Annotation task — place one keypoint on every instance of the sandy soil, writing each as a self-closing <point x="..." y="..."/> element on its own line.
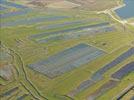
<point x="63" y="4"/>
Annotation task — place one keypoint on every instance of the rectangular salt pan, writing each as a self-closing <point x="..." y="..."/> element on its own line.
<point x="124" y="71"/>
<point x="67" y="60"/>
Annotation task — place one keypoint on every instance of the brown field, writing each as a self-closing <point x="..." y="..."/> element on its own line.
<point x="63" y="4"/>
<point x="93" y="5"/>
<point x="96" y="4"/>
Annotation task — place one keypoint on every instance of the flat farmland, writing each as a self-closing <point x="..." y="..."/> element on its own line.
<point x="65" y="50"/>
<point x="95" y="4"/>
<point x="80" y="4"/>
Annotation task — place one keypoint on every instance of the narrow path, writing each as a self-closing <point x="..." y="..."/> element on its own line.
<point x="112" y="10"/>
<point x="23" y="79"/>
<point x="26" y="79"/>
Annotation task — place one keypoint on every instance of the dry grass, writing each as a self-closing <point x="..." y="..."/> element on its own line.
<point x="96" y="4"/>
<point x="92" y="5"/>
<point x="63" y="4"/>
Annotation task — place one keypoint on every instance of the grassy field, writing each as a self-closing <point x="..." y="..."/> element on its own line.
<point x="26" y="50"/>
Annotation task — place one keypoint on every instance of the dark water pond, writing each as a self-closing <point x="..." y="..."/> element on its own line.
<point x="127" y="11"/>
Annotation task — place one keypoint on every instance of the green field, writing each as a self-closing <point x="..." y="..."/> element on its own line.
<point x="58" y="30"/>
